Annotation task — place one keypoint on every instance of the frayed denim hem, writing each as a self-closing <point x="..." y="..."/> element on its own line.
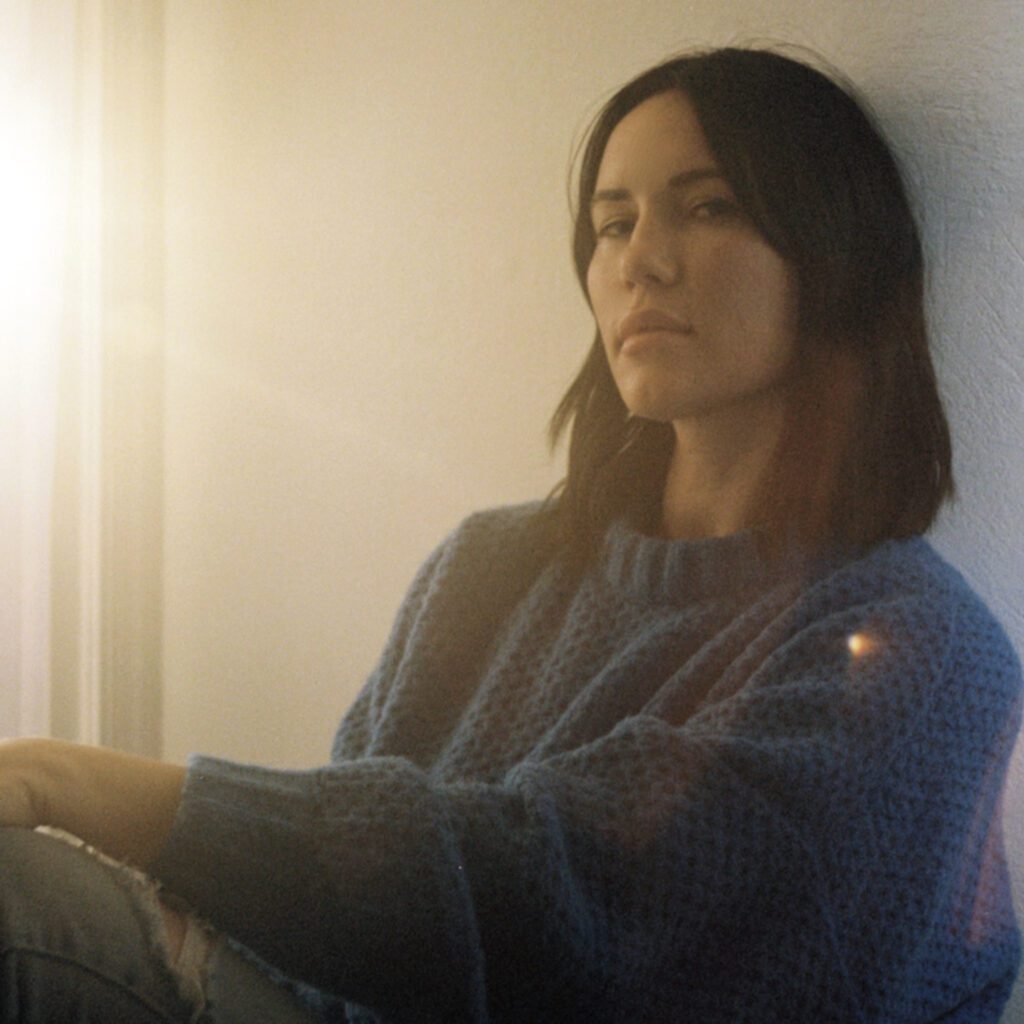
<point x="83" y="937"/>
<point x="190" y="968"/>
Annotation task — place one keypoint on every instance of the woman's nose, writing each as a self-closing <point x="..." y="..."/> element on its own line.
<point x="649" y="256"/>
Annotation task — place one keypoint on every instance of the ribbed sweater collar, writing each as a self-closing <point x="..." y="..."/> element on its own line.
<point x="659" y="571"/>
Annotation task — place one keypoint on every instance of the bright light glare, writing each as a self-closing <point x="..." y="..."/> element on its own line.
<point x="33" y="257"/>
<point x="31" y="251"/>
<point x="859" y="644"/>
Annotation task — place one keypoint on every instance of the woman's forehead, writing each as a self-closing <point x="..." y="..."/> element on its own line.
<point x="659" y="138"/>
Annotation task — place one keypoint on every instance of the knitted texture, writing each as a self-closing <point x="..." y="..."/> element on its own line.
<point x="684" y="786"/>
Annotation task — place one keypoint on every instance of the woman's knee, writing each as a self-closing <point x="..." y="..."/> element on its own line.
<point x="79" y="936"/>
<point x="22" y="849"/>
<point x="50" y="884"/>
<point x="39" y="877"/>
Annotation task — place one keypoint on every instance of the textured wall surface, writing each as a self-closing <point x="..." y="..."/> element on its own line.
<point x="371" y="309"/>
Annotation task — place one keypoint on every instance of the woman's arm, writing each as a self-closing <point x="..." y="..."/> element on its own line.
<point x="120" y="803"/>
<point x="822" y="844"/>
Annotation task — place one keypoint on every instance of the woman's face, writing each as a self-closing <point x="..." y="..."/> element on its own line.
<point x="696" y="311"/>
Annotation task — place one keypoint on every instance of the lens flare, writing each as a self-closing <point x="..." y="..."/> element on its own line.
<point x="860" y="644"/>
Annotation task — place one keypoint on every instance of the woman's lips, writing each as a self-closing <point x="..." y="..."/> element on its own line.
<point x="646" y="326"/>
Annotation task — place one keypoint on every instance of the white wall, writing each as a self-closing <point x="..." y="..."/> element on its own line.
<point x="370" y="317"/>
<point x="371" y="310"/>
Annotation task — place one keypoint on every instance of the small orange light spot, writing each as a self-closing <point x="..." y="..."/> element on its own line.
<point x="859" y="644"/>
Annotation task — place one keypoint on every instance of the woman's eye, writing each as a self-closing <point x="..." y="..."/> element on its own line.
<point x="714" y="208"/>
<point x="620" y="227"/>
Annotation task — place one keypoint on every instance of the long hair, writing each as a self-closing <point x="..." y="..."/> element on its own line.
<point x="865" y="454"/>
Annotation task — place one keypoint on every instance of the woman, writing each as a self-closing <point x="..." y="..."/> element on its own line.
<point x="712" y="735"/>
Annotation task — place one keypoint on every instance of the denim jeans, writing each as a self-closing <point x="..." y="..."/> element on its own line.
<point x="82" y="940"/>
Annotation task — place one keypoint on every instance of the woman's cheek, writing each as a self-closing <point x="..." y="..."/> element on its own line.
<point x="597" y="292"/>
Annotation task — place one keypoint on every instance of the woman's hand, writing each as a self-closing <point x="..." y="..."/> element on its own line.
<point x="122" y="804"/>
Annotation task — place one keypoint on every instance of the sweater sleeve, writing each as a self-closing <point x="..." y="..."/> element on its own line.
<point x="820" y="844"/>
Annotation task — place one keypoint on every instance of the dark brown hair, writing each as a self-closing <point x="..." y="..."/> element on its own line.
<point x="865" y="454"/>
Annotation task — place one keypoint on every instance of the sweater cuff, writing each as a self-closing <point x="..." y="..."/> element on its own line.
<point x="240" y="848"/>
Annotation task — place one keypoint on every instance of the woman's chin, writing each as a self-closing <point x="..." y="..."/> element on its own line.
<point x="660" y="409"/>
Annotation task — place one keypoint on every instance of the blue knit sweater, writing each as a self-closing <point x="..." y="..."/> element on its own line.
<point x="686" y="786"/>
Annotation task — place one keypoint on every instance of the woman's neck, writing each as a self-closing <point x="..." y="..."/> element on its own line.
<point x="716" y="472"/>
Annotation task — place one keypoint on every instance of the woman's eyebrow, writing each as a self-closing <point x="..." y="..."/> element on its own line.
<point x="681" y="180"/>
